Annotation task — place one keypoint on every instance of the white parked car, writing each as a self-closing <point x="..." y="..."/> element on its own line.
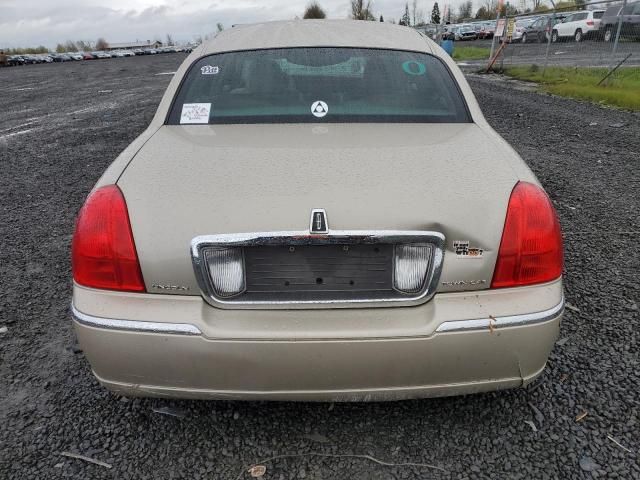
<point x="578" y="25"/>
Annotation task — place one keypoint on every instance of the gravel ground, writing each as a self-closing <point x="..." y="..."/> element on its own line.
<point x="62" y="124"/>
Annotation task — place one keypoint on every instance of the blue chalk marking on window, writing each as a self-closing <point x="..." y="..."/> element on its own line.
<point x="414" y="68"/>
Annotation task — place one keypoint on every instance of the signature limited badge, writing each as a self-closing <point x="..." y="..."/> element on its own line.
<point x="318" y="222"/>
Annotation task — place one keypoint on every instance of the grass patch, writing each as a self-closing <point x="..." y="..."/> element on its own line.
<point x="470" y="53"/>
<point x="622" y="90"/>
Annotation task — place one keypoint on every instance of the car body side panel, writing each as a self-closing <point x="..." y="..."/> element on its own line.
<point x="111" y="175"/>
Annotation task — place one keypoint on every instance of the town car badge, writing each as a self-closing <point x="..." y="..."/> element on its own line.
<point x="318" y="223"/>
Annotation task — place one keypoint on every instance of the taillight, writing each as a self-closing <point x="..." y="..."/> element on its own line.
<point x="531" y="247"/>
<point x="103" y="251"/>
<point x="590" y="23"/>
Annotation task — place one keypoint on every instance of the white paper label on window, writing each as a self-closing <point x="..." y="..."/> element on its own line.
<point x="195" y="113"/>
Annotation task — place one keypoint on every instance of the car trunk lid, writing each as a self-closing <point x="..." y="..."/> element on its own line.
<point x="190" y="181"/>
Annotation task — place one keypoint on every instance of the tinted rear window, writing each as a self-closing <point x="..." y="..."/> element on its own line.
<point x="308" y="85"/>
<point x="598" y="14"/>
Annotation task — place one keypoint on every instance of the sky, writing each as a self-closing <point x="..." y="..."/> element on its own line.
<point x="29" y="23"/>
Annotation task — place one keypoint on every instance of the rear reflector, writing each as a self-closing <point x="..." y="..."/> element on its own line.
<point x="531" y="246"/>
<point x="103" y="251"/>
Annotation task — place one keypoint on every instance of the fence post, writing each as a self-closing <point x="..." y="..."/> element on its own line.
<point x="615" y="43"/>
<point x="493" y="39"/>
<point x="551" y="25"/>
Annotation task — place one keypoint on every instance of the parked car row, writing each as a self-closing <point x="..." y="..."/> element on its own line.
<point x="628" y="18"/>
<point x="18" y="60"/>
<point x="537" y="29"/>
<point x="599" y="24"/>
<point x="585" y="24"/>
<point x="471" y="31"/>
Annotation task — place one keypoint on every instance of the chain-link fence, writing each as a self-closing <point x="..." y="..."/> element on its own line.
<point x="602" y="34"/>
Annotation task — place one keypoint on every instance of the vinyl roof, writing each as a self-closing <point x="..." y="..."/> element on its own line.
<point x="317" y="33"/>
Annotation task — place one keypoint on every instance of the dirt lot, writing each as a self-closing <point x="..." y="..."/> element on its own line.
<point x="62" y="124"/>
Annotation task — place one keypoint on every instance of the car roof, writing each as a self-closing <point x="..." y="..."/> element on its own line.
<point x="318" y="33"/>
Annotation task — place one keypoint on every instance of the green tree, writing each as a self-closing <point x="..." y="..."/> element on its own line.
<point x="60" y="48"/>
<point x="26" y="51"/>
<point x="435" y="14"/>
<point x="465" y="10"/>
<point x="101" y="44"/>
<point x="314" y="10"/>
<point x="565" y="5"/>
<point x="484" y="14"/>
<point x="510" y="10"/>
<point x="406" y="18"/>
<point x="361" y="10"/>
<point x="83" y="46"/>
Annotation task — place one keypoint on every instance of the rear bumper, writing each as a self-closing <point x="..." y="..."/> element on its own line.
<point x="455" y="356"/>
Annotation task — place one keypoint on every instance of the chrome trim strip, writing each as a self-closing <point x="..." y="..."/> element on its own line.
<point x="483" y="324"/>
<point x="134" y="325"/>
<point x="339" y="237"/>
<point x="501" y="322"/>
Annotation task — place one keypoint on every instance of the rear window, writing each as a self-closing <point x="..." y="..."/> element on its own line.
<point x="598" y="14"/>
<point x="309" y="85"/>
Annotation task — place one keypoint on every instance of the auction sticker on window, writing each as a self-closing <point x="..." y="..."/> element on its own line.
<point x="209" y="70"/>
<point x="195" y="113"/>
